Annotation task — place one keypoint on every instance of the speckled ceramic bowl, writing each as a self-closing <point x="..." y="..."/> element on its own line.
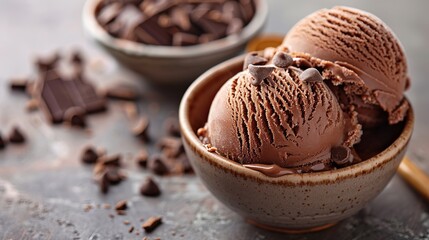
<point x="296" y="202"/>
<point x="172" y="65"/>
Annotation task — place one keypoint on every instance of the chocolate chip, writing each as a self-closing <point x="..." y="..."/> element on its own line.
<point x="311" y="75"/>
<point x="184" y="39"/>
<point x="151" y="224"/>
<point x="253" y="58"/>
<point x="121" y="205"/>
<point x="282" y="60"/>
<point x="157" y="165"/>
<point x="77" y="58"/>
<point x="171" y="146"/>
<point x="113" y="176"/>
<point x="341" y="155"/>
<point x="75" y="116"/>
<point x="142" y="158"/>
<point x="149" y="188"/>
<point x="16" y="136"/>
<point x="89" y="155"/>
<point x="122" y="93"/>
<point x="259" y="73"/>
<point x="2" y="142"/>
<point x="19" y="84"/>
<point x="140" y="130"/>
<point x="172" y="126"/>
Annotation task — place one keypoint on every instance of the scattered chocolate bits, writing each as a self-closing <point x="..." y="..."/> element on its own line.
<point x="16" y="136"/>
<point x="341" y="155"/>
<point x="157" y="165"/>
<point x="311" y="75"/>
<point x="151" y="224"/>
<point x="255" y="59"/>
<point x="282" y="60"/>
<point x="122" y="93"/>
<point x="149" y="188"/>
<point x="121" y="205"/>
<point x="89" y="155"/>
<point x="131" y="229"/>
<point x="75" y="116"/>
<point x="259" y="73"/>
<point x="140" y="130"/>
<point x="172" y="126"/>
<point x="171" y="146"/>
<point x="177" y="23"/>
<point x="19" y="84"/>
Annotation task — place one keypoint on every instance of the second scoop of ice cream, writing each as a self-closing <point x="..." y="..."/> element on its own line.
<point x="281" y="120"/>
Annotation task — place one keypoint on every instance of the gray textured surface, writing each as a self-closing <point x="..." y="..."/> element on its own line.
<point x="43" y="187"/>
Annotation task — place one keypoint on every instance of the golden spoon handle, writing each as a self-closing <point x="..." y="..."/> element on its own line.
<point x="418" y="179"/>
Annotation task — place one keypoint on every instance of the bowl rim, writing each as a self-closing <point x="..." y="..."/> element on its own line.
<point x="94" y="29"/>
<point x="329" y="176"/>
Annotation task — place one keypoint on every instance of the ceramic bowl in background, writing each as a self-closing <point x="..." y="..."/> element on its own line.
<point x="171" y="64"/>
<point x="295" y="202"/>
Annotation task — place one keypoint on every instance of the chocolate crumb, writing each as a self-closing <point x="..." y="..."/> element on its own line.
<point x="87" y="207"/>
<point x="122" y="93"/>
<point x="311" y="75"/>
<point x="150" y="188"/>
<point x="151" y="224"/>
<point x="142" y="158"/>
<point x="157" y="165"/>
<point x="341" y="155"/>
<point x="111" y="215"/>
<point x="126" y="222"/>
<point x="121" y="205"/>
<point x="89" y="155"/>
<point x="121" y="212"/>
<point x="113" y="176"/>
<point x="131" y="229"/>
<point x="104" y="183"/>
<point x="259" y="73"/>
<point x="282" y="60"/>
<point x="140" y="130"/>
<point x="75" y="116"/>
<point x="19" y="84"/>
<point x="254" y="59"/>
<point x="16" y="136"/>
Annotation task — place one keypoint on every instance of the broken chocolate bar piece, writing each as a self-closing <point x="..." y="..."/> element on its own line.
<point x="151" y="224"/>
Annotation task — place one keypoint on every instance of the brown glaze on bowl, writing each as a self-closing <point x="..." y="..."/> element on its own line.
<point x="291" y="202"/>
<point x="172" y="65"/>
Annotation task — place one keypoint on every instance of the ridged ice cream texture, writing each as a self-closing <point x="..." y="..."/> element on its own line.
<point x="355" y="40"/>
<point x="283" y="121"/>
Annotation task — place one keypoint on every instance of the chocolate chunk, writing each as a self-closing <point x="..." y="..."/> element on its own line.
<point x="141" y="129"/>
<point x="121" y="205"/>
<point x="172" y="126"/>
<point x="2" y="142"/>
<point x="184" y="39"/>
<point x="47" y="63"/>
<point x="157" y="165"/>
<point x="89" y="155"/>
<point x="171" y="146"/>
<point x="207" y="37"/>
<point x="18" y="84"/>
<point x="311" y="75"/>
<point x="341" y="155"/>
<point x="113" y="175"/>
<point x="151" y="224"/>
<point x="214" y="27"/>
<point x="282" y="60"/>
<point x="259" y="73"/>
<point x="59" y="95"/>
<point x="108" y="13"/>
<point x="16" y="136"/>
<point x="75" y="116"/>
<point x="253" y="58"/>
<point x="103" y="183"/>
<point x="235" y="26"/>
<point x="150" y="32"/>
<point x="231" y="10"/>
<point x="142" y="158"/>
<point x="114" y="160"/>
<point x="180" y="17"/>
<point x="149" y="188"/>
<point x="122" y="93"/>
